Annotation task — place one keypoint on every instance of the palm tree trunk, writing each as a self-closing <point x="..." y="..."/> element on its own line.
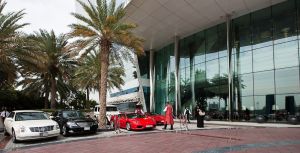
<point x="87" y="94"/>
<point x="46" y="99"/>
<point x="53" y="93"/>
<point x="104" y="59"/>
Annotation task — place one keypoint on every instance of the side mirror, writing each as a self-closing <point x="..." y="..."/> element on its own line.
<point x="51" y="117"/>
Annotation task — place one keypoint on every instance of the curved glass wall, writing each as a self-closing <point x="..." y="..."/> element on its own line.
<point x="265" y="64"/>
<point x="164" y="77"/>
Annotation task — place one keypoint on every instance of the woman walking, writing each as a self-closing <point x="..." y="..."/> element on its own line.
<point x="200" y="116"/>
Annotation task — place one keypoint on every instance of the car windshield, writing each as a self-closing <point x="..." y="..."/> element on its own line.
<point x="111" y="108"/>
<point x="151" y="113"/>
<point x="24" y="116"/>
<point x="135" y="116"/>
<point x="73" y="114"/>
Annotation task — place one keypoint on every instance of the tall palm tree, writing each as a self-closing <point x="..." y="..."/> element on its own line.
<point x="103" y="27"/>
<point x="9" y="37"/>
<point x="88" y="74"/>
<point x="46" y="64"/>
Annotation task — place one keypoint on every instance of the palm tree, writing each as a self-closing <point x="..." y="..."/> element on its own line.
<point x="103" y="28"/>
<point x="88" y="74"/>
<point x="9" y="38"/>
<point x="46" y="65"/>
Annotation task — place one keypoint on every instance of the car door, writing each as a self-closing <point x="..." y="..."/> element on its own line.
<point x="122" y="121"/>
<point x="9" y="121"/>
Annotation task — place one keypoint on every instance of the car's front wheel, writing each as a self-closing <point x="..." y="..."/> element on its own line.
<point x="64" y="130"/>
<point x="128" y="127"/>
<point x="14" y="137"/>
<point x="5" y="132"/>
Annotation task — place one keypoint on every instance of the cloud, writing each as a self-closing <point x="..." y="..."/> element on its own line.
<point x="44" y="14"/>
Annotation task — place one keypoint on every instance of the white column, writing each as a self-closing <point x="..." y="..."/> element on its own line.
<point x="152" y="85"/>
<point x="229" y="66"/>
<point x="177" y="83"/>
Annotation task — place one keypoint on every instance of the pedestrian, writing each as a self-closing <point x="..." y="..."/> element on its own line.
<point x="139" y="110"/>
<point x="4" y="114"/>
<point x="169" y="116"/>
<point x="200" y="113"/>
<point x="187" y="114"/>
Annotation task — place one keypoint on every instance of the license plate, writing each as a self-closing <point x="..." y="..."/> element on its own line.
<point x="44" y="134"/>
<point x="148" y="126"/>
<point x="86" y="128"/>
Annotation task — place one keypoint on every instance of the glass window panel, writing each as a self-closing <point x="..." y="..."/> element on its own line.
<point x="262" y="28"/>
<point x="246" y="84"/>
<point x="288" y="104"/>
<point x="213" y="104"/>
<point x="242" y="33"/>
<point x="263" y="59"/>
<point x="212" y="70"/>
<point x="244" y="62"/>
<point x="222" y="40"/>
<point x="264" y="104"/>
<point x="211" y="50"/>
<point x="284" y="19"/>
<point x="223" y="67"/>
<point x="247" y="108"/>
<point x="212" y="34"/>
<point x="200" y="73"/>
<point x="199" y="56"/>
<point x="286" y="54"/>
<point x="247" y="103"/>
<point x="264" y="83"/>
<point x="287" y="80"/>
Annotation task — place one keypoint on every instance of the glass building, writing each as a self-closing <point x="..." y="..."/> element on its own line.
<point x="244" y="64"/>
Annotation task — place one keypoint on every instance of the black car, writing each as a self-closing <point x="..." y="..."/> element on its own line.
<point x="72" y="121"/>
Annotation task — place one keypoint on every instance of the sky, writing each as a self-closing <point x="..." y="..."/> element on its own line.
<point x="47" y="14"/>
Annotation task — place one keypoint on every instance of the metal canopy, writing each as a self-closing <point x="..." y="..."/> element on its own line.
<point x="160" y="20"/>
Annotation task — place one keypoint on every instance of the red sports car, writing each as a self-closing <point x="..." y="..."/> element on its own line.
<point x="134" y="121"/>
<point x="160" y="119"/>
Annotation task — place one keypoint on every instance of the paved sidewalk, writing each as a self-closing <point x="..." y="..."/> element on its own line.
<point x="275" y="140"/>
<point x="245" y="124"/>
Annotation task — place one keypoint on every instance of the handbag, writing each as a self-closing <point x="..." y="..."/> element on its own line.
<point x="201" y="113"/>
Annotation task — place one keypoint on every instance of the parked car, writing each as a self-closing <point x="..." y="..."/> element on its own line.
<point x="30" y="124"/>
<point x="134" y="121"/>
<point x="160" y="119"/>
<point x="73" y="121"/>
<point x="110" y="111"/>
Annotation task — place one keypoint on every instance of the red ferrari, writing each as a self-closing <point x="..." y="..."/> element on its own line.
<point x="133" y="121"/>
<point x="160" y="119"/>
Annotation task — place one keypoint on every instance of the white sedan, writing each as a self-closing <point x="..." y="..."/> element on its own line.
<point x="30" y="124"/>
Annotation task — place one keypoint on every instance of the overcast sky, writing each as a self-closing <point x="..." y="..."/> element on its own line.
<point x="45" y="14"/>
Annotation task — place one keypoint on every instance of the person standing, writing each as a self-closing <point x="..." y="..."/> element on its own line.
<point x="169" y="116"/>
<point x="187" y="114"/>
<point x="4" y="114"/>
<point x="200" y="116"/>
<point x="139" y="110"/>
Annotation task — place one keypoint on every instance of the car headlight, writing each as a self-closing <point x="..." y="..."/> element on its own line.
<point x="57" y="127"/>
<point x="22" y="129"/>
<point x="70" y="124"/>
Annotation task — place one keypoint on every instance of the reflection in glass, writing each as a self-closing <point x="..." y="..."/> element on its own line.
<point x="262" y="28"/>
<point x="212" y="70"/>
<point x="286" y="54"/>
<point x="263" y="59"/>
<point x="246" y="84"/>
<point x="264" y="83"/>
<point x="244" y="62"/>
<point x="247" y="108"/>
<point x="287" y="80"/>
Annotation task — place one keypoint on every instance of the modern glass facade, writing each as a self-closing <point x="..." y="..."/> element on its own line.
<point x="264" y="52"/>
